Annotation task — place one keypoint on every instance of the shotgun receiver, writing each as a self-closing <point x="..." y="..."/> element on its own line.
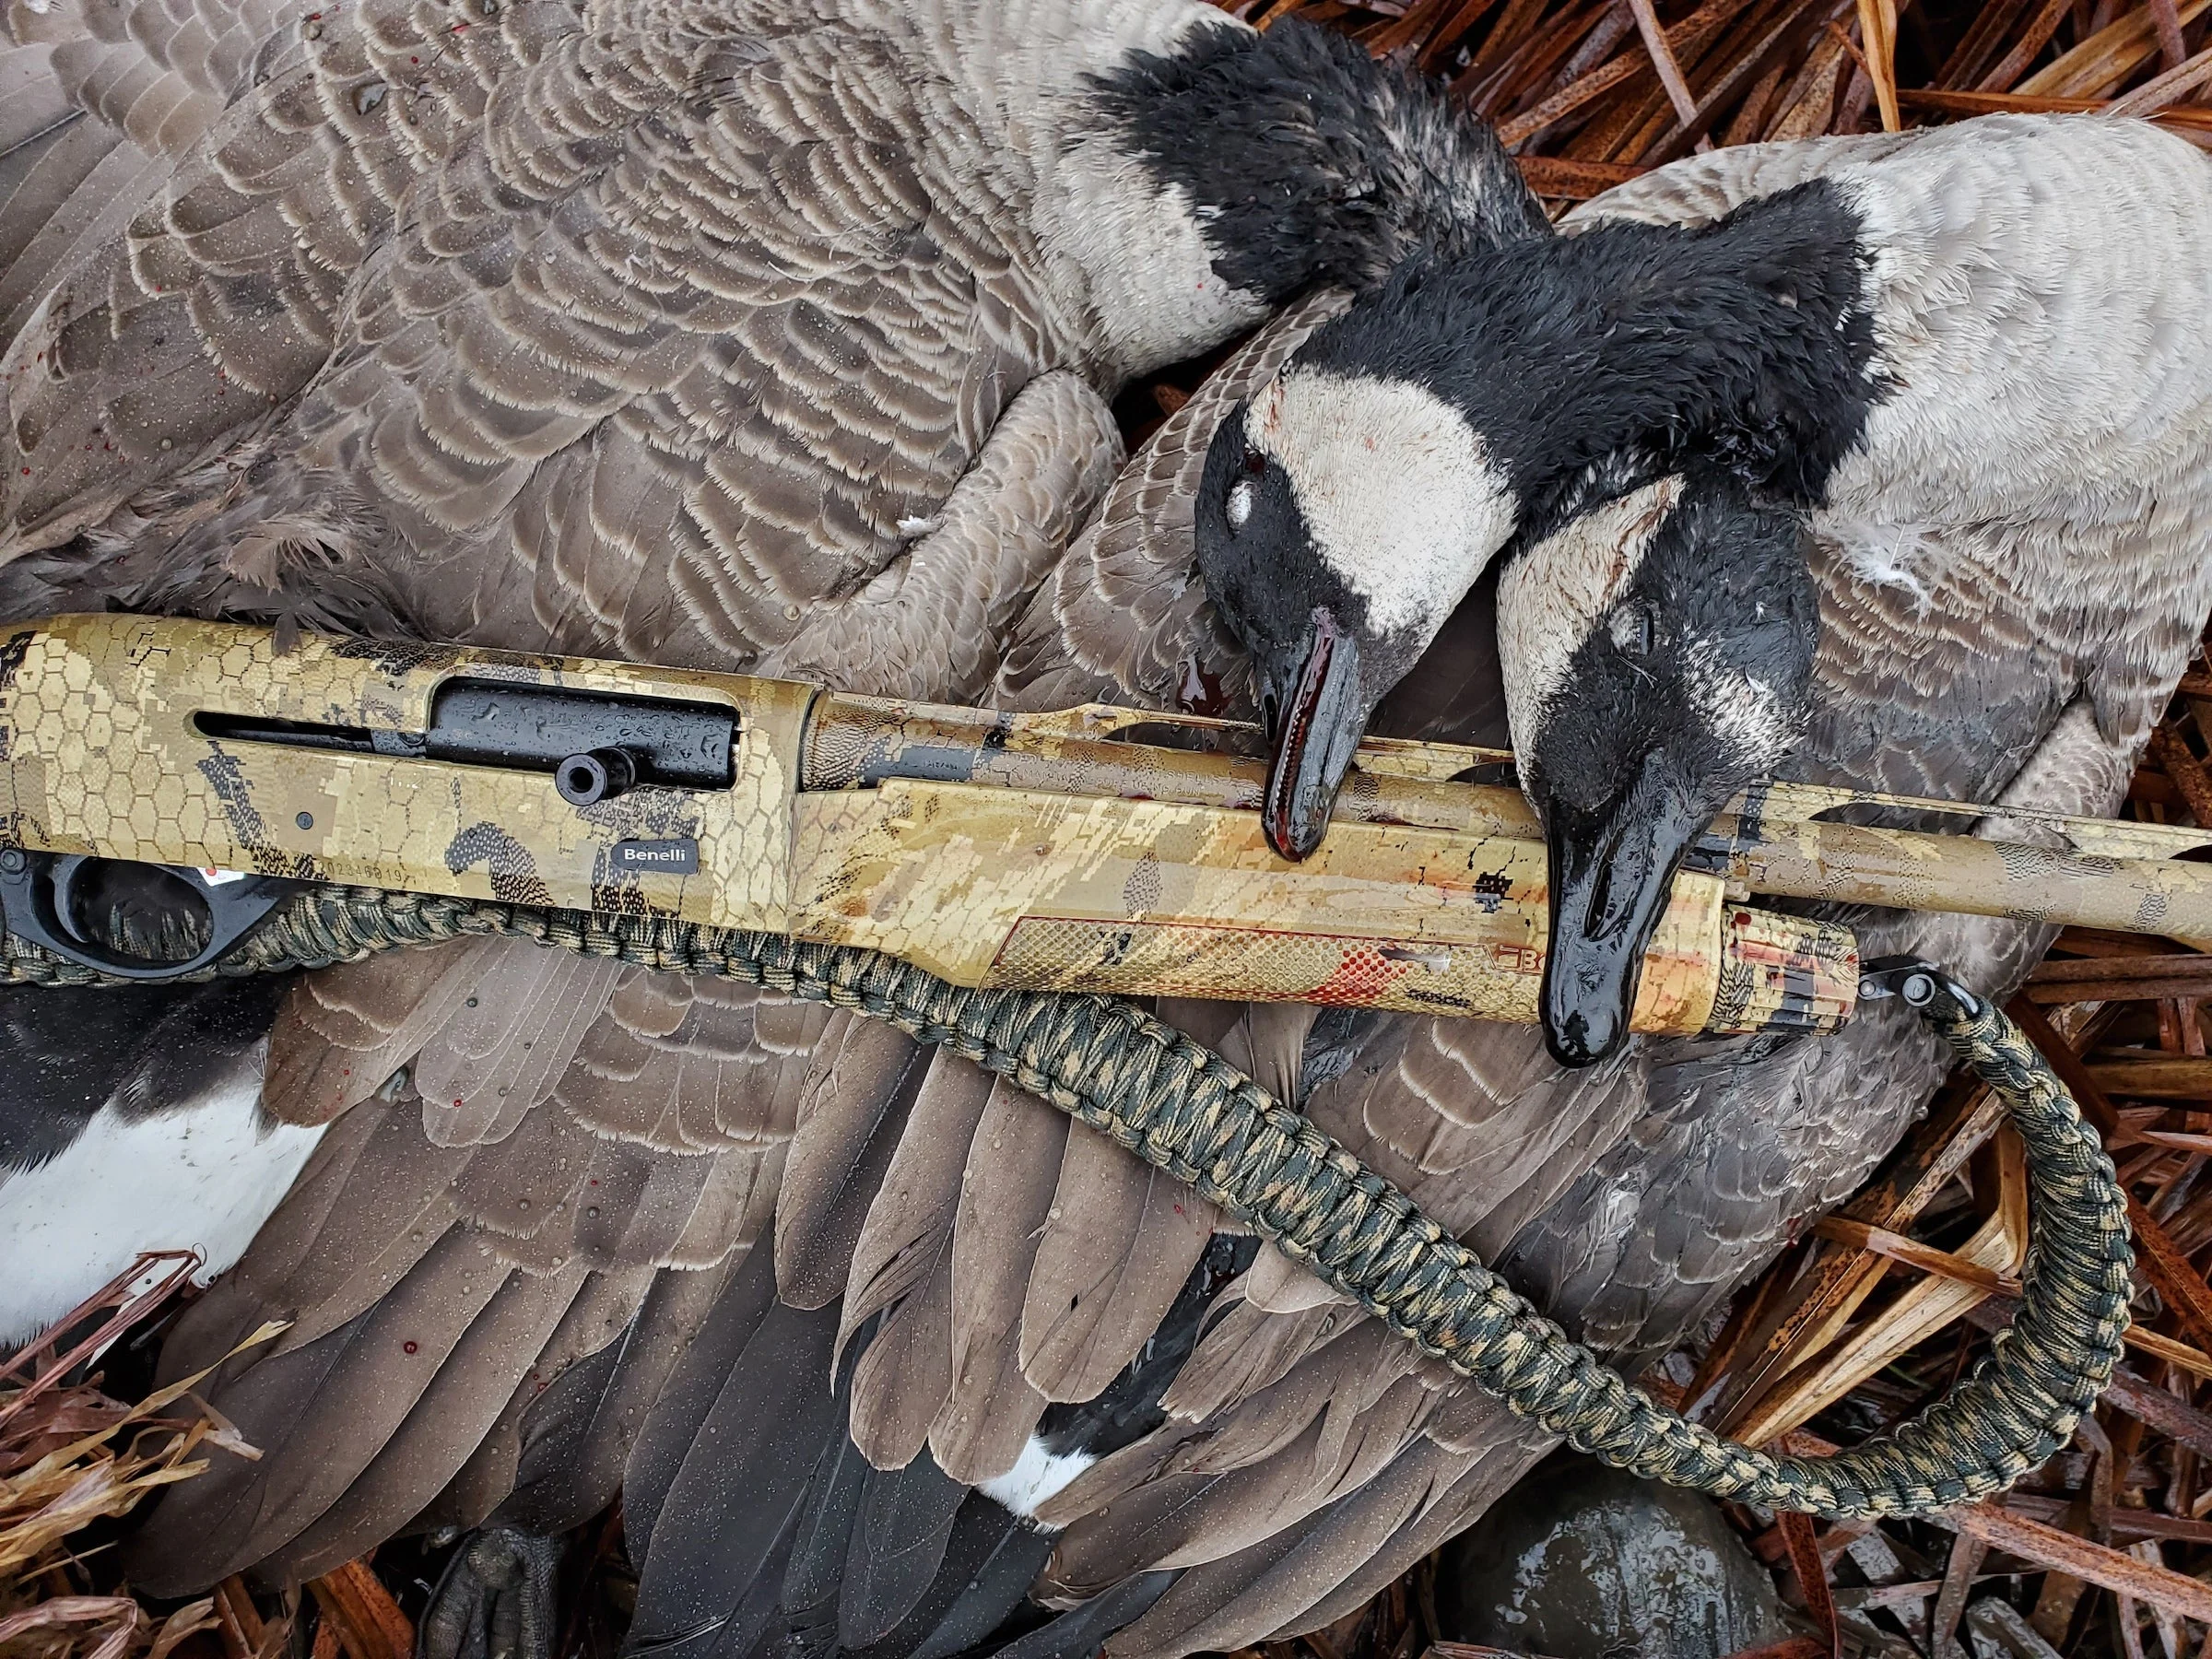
<point x="1094" y="849"/>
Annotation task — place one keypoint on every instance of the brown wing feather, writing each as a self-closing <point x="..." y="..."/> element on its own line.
<point x="428" y="1447"/>
<point x="912" y="1213"/>
<point x="318" y="1420"/>
<point x="857" y="1096"/>
<point x="569" y="1468"/>
<point x="1120" y="1239"/>
<point x="1007" y="1195"/>
<point x="902" y="1384"/>
<point x="902" y="1269"/>
<point x="602" y="1314"/>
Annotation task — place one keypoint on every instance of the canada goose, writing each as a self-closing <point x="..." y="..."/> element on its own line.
<point x="766" y="334"/>
<point x="1965" y="360"/>
<point x="968" y="1270"/>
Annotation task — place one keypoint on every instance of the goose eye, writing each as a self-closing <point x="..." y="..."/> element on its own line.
<point x="1634" y="630"/>
<point x="1256" y="463"/>
<point x="1239" y="505"/>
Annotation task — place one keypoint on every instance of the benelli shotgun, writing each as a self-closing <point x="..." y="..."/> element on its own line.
<point x="1095" y="849"/>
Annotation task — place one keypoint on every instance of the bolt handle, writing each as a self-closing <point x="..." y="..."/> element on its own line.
<point x="596" y="775"/>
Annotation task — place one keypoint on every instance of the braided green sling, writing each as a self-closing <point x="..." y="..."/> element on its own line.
<point x="1180" y="1106"/>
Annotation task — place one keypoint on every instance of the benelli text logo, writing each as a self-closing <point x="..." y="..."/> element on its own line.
<point x="661" y="857"/>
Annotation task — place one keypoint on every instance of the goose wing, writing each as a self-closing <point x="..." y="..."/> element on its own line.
<point x="1310" y="1457"/>
<point x="650" y="335"/>
<point x="531" y="327"/>
<point x="450" y="1265"/>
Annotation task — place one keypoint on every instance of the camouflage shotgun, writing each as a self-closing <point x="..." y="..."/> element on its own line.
<point x="1094" y="849"/>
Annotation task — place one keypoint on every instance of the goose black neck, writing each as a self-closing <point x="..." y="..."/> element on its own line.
<point x="1309" y="162"/>
<point x="1592" y="364"/>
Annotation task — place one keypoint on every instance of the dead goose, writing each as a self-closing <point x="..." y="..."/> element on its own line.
<point x="766" y="335"/>
<point x="982" y="1295"/>
<point x="1921" y="331"/>
<point x="771" y="334"/>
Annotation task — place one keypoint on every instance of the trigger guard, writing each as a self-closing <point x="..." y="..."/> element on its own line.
<point x="35" y="900"/>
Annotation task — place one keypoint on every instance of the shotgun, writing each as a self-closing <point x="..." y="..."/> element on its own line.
<point x="1092" y="849"/>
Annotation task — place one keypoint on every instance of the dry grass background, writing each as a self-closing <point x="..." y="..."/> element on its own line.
<point x="2105" y="1552"/>
<point x="1590" y="92"/>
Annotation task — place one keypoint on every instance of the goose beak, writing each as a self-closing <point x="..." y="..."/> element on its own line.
<point x="1315" y="717"/>
<point x="1612" y="872"/>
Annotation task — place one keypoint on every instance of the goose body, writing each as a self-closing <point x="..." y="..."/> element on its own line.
<point x="763" y="335"/>
<point x="2033" y="455"/>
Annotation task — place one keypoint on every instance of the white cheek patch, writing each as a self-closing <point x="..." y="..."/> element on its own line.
<point x="1147" y="270"/>
<point x="1396" y="489"/>
<point x="1551" y="597"/>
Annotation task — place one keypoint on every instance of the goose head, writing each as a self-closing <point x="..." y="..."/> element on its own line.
<point x="1658" y="659"/>
<point x="1341" y="519"/>
<point x="1468" y="403"/>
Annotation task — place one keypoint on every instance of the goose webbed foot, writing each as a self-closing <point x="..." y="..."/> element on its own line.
<point x="496" y="1599"/>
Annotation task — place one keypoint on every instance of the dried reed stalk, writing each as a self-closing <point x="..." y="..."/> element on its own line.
<point x="70" y="1456"/>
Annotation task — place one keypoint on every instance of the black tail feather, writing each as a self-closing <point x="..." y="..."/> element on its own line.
<point x="989" y="1566"/>
<point x="673" y="1426"/>
<point x="726" y="1528"/>
<point x="813" y="1581"/>
<point x="1080" y="1632"/>
<point x="906" y="1518"/>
